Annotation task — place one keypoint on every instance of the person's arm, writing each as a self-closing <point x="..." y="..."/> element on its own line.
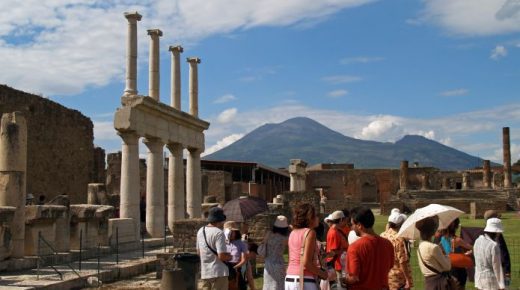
<point x="441" y="259"/>
<point x="223" y="254"/>
<point x="243" y="260"/>
<point x="352" y="266"/>
<point x="497" y="266"/>
<point x="309" y="263"/>
<point x="461" y="243"/>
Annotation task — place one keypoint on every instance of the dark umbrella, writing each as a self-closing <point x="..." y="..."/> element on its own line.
<point x="244" y="207"/>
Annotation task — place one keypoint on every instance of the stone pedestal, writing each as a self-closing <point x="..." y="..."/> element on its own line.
<point x="42" y="219"/>
<point x="62" y="230"/>
<point x="124" y="227"/>
<point x="97" y="194"/>
<point x="90" y="223"/>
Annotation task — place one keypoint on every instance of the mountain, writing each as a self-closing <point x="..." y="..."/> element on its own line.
<point x="304" y="138"/>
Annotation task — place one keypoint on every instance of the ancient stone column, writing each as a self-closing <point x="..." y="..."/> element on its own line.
<point x="297" y="172"/>
<point x="176" y="198"/>
<point x="486" y="174"/>
<point x="445" y="183"/>
<point x="131" y="54"/>
<point x="13" y="168"/>
<point x="507" y="157"/>
<point x="155" y="188"/>
<point x="403" y="176"/>
<point x="176" y="76"/>
<point x="153" y="78"/>
<point x="465" y="181"/>
<point x="130" y="181"/>
<point x="193" y="184"/>
<point x="425" y="181"/>
<point x="194" y="86"/>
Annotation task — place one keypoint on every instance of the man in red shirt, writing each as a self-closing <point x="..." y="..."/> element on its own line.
<point x="371" y="257"/>
<point x="337" y="242"/>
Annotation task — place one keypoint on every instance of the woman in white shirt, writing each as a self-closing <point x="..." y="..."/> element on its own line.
<point x="489" y="274"/>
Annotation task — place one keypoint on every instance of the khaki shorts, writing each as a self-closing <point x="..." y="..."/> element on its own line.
<point x="219" y="283"/>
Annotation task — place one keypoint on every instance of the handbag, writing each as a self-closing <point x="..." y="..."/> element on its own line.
<point x="453" y="284"/>
<point x="460" y="260"/>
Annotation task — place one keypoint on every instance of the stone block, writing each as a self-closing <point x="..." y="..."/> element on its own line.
<point x="125" y="228"/>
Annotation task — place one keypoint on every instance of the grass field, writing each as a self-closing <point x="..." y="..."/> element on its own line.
<point x="511" y="222"/>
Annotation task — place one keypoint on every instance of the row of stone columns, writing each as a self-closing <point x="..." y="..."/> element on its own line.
<point x="130" y="196"/>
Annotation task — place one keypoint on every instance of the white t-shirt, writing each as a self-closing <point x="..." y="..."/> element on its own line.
<point x="210" y="265"/>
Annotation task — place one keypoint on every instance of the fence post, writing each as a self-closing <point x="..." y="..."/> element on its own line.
<point x="98" y="262"/>
<point x="117" y="245"/>
<point x="80" y="247"/>
<point x="142" y="242"/>
<point x="38" y="259"/>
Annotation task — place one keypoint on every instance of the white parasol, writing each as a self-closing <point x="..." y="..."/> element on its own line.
<point x="446" y="215"/>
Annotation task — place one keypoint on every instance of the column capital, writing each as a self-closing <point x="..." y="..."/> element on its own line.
<point x="174" y="146"/>
<point x="154" y="144"/>
<point x="154" y="32"/>
<point x="133" y="16"/>
<point x="176" y="49"/>
<point x="130" y="138"/>
<point x="195" y="150"/>
<point x="193" y="60"/>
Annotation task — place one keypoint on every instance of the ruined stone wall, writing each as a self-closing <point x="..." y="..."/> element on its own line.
<point x="185" y="233"/>
<point x="60" y="148"/>
<point x="330" y="180"/>
<point x="218" y="184"/>
<point x="98" y="170"/>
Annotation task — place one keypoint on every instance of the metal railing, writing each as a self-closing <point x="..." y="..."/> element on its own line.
<point x="54" y="254"/>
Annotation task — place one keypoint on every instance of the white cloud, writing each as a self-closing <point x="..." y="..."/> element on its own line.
<point x="474" y="17"/>
<point x="227" y="115"/>
<point x="361" y="59"/>
<point x="455" y="92"/>
<point x="337" y="93"/>
<point x="341" y="79"/>
<point x="104" y="131"/>
<point x="226" y="141"/>
<point x="382" y="128"/>
<point x="498" y="52"/>
<point x="61" y="47"/>
<point x="224" y="99"/>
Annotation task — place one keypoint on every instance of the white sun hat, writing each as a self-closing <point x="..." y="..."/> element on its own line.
<point x="281" y="222"/>
<point x="494" y="225"/>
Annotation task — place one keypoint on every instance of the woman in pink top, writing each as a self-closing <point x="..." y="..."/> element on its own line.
<point x="302" y="250"/>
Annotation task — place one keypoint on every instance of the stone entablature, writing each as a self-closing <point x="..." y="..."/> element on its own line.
<point x="148" y="118"/>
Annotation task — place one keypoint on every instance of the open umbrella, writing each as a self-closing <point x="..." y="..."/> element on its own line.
<point x="446" y="215"/>
<point x="244" y="207"/>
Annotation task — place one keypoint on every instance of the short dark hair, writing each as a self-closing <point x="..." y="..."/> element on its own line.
<point x="320" y="231"/>
<point x="393" y="225"/>
<point x="302" y="215"/>
<point x="346" y="213"/>
<point x="281" y="231"/>
<point x="427" y="227"/>
<point x="364" y="216"/>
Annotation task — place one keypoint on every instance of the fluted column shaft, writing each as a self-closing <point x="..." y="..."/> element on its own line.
<point x="13" y="174"/>
<point x="154" y="81"/>
<point x="176" y="76"/>
<point x="176" y="197"/>
<point x="403" y="176"/>
<point x="486" y="174"/>
<point x="155" y="188"/>
<point x="193" y="184"/>
<point x="194" y="86"/>
<point x="131" y="54"/>
<point x="130" y="184"/>
<point x="507" y="158"/>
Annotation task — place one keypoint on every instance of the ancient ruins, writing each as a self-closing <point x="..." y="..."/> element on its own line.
<point x="47" y="150"/>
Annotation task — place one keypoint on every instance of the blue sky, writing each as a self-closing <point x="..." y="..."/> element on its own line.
<point x="377" y="70"/>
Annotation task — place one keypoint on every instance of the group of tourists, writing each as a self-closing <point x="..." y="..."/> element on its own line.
<point x="350" y="256"/>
